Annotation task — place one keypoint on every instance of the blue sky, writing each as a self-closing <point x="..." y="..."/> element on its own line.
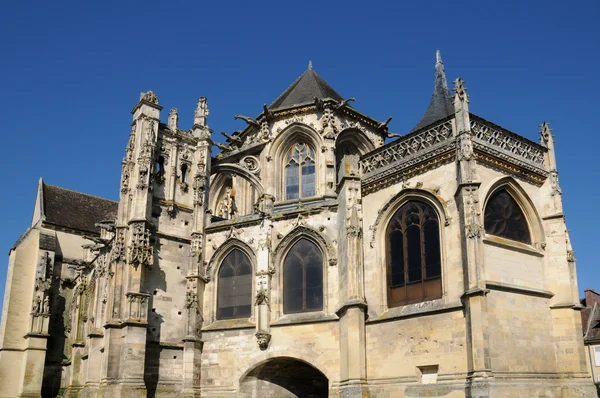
<point x="71" y="72"/>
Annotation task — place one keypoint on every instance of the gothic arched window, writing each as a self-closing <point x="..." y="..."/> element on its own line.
<point x="234" y="289"/>
<point x="504" y="218"/>
<point x="414" y="267"/>
<point x="300" y="172"/>
<point x="303" y="278"/>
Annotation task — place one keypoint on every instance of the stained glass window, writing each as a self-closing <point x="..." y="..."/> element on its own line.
<point x="303" y="278"/>
<point x="234" y="297"/>
<point x="504" y="218"/>
<point x="300" y="172"/>
<point x="414" y="267"/>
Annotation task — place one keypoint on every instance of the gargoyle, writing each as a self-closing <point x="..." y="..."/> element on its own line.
<point x="383" y="125"/>
<point x="319" y="103"/>
<point x="232" y="138"/>
<point x="267" y="112"/>
<point x="392" y="135"/>
<point x="249" y="120"/>
<point x="223" y="147"/>
<point x="343" y="103"/>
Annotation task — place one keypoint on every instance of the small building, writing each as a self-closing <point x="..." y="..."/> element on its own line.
<point x="590" y="321"/>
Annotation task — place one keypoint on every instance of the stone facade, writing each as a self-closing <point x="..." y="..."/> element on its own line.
<point x="124" y="301"/>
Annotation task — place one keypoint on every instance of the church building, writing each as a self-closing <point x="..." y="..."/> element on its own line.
<point x="303" y="257"/>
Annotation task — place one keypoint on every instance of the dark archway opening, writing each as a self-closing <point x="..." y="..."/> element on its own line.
<point x="285" y="378"/>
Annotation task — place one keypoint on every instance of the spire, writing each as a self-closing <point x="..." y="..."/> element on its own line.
<point x="440" y="105"/>
<point x="309" y="65"/>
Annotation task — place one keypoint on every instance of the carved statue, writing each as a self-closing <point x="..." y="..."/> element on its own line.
<point x="149" y="97"/>
<point x="46" y="305"/>
<point x="249" y="120"/>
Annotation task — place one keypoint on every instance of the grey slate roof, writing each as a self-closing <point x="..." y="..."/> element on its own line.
<point x="304" y="90"/>
<point x="440" y="105"/>
<point x="76" y="210"/>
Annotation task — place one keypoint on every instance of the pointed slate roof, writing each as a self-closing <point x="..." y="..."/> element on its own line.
<point x="304" y="90"/>
<point x="440" y="105"/>
<point x="75" y="210"/>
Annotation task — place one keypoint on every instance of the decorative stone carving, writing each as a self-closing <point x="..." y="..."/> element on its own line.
<point x="460" y="90"/>
<point x="473" y="225"/>
<point x="263" y="339"/>
<point x="117" y="252"/>
<point x="265" y="132"/>
<point x="406" y="151"/>
<point x="262" y="297"/>
<point x="250" y="163"/>
<point x="172" y="210"/>
<point x="141" y="252"/>
<point x="328" y="127"/>
<point x="191" y="299"/>
<point x="571" y="256"/>
<point x="149" y="97"/>
<point x="201" y="112"/>
<point x="506" y="143"/>
<point x="137" y="305"/>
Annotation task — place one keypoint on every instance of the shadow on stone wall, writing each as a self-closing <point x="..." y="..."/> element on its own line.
<point x="55" y="354"/>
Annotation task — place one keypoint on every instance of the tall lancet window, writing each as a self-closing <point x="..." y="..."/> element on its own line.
<point x="414" y="267"/>
<point x="234" y="290"/>
<point x="303" y="278"/>
<point x="504" y="218"/>
<point x="300" y="172"/>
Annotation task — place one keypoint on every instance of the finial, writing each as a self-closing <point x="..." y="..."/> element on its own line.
<point x="309" y="64"/>
<point x="173" y="120"/>
<point x="201" y="112"/>
<point x="149" y="97"/>
<point x="438" y="57"/>
<point x="460" y="91"/>
<point x="546" y="134"/>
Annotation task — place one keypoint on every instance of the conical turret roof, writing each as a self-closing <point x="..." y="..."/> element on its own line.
<point x="440" y="105"/>
<point x="304" y="90"/>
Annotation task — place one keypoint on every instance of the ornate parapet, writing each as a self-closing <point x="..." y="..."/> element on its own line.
<point x="406" y="152"/>
<point x="508" y="150"/>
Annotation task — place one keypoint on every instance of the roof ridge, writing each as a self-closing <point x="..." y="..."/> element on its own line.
<point x="81" y="193"/>
<point x="288" y="88"/>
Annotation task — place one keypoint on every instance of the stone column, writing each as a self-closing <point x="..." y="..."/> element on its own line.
<point x="132" y="252"/>
<point x="467" y="200"/>
<point x="264" y="273"/>
<point x="197" y="276"/>
<point x="560" y="269"/>
<point x="353" y="363"/>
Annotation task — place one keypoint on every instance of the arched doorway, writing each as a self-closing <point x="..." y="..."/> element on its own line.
<point x="284" y="377"/>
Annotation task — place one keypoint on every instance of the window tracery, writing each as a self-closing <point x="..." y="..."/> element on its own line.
<point x="234" y="290"/>
<point x="413" y="255"/>
<point x="300" y="172"/>
<point x="504" y="218"/>
<point x="303" y="278"/>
